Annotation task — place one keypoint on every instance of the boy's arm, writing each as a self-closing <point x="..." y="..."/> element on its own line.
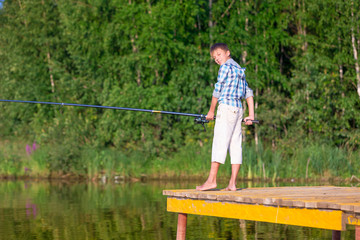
<point x="211" y="113"/>
<point x="250" y="103"/>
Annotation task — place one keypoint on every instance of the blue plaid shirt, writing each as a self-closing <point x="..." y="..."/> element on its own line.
<point x="231" y="84"/>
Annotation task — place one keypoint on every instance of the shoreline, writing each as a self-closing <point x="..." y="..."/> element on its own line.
<point x="189" y="178"/>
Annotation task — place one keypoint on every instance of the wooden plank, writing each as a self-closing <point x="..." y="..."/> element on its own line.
<point x="333" y="220"/>
<point x="328" y="197"/>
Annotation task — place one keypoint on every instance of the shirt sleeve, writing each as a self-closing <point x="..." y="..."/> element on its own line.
<point x="248" y="91"/>
<point x="223" y="71"/>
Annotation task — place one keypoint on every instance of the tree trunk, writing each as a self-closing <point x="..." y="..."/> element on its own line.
<point x="135" y="50"/>
<point x="281" y="58"/>
<point x="243" y="59"/>
<point x="21" y="8"/>
<point x="48" y="56"/>
<point x="50" y="72"/>
<point x="211" y="23"/>
<point x="353" y="41"/>
<point x="303" y="28"/>
<point x="341" y="75"/>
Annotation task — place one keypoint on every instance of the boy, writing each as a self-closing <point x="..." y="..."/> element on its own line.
<point x="230" y="88"/>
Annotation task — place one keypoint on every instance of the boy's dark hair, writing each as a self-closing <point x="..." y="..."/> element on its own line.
<point x="222" y="46"/>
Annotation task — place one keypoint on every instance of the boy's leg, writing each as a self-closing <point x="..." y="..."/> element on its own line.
<point x="226" y="120"/>
<point x="224" y="126"/>
<point x="225" y="123"/>
<point x="234" y="172"/>
<point x="211" y="181"/>
<point x="235" y="153"/>
<point x="235" y="146"/>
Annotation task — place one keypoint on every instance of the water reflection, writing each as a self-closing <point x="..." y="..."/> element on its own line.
<point x="63" y="210"/>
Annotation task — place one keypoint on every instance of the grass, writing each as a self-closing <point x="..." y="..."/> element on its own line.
<point x="193" y="160"/>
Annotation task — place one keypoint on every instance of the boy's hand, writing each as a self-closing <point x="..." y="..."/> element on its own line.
<point x="210" y="115"/>
<point x="248" y="121"/>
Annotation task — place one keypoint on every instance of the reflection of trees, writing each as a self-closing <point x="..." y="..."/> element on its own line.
<point x="127" y="211"/>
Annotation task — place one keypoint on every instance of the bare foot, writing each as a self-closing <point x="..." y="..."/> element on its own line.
<point x="206" y="186"/>
<point x="230" y="188"/>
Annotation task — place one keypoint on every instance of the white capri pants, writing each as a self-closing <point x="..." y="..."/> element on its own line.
<point x="227" y="134"/>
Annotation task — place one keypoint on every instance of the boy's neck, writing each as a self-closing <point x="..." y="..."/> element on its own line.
<point x="226" y="60"/>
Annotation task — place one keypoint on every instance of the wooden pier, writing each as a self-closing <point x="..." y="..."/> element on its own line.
<point x="328" y="207"/>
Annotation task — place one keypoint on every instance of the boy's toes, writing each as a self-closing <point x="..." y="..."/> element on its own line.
<point x="230" y="188"/>
<point x="206" y="186"/>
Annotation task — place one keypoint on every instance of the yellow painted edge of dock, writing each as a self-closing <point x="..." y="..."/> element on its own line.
<point x="352" y="220"/>
<point x="315" y="218"/>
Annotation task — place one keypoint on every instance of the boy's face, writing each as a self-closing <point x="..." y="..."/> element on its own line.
<point x="220" y="56"/>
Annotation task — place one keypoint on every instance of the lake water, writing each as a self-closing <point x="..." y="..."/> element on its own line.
<point x="71" y="211"/>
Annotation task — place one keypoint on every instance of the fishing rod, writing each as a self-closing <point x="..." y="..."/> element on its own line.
<point x="199" y="118"/>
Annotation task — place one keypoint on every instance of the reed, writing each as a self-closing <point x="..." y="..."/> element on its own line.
<point x="315" y="160"/>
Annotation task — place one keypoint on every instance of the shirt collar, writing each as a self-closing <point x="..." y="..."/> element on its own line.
<point x="232" y="62"/>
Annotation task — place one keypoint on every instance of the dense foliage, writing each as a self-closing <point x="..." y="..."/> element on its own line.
<point x="301" y="60"/>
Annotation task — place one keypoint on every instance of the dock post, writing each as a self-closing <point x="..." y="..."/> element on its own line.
<point x="357" y="232"/>
<point x="181" y="227"/>
<point x="336" y="235"/>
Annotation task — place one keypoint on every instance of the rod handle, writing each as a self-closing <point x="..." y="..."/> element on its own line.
<point x="253" y="121"/>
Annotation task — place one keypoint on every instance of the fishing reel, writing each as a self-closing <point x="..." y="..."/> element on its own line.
<point x="201" y="120"/>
